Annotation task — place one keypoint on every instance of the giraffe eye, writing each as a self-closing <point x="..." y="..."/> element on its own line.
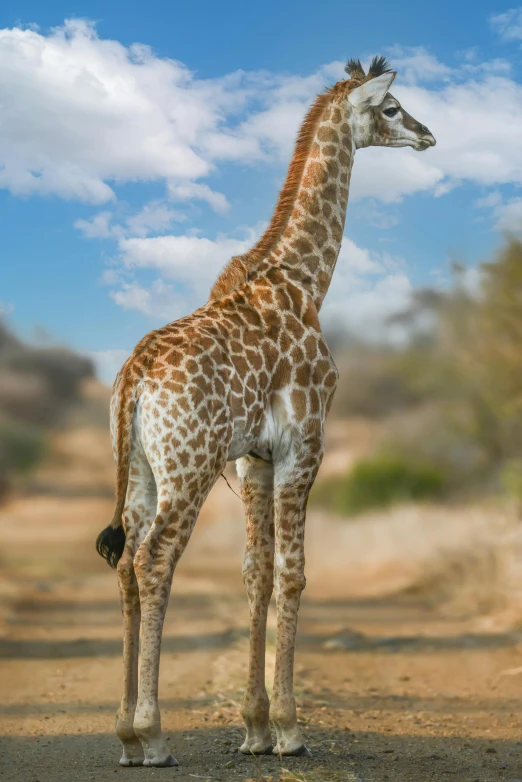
<point x="391" y="112"/>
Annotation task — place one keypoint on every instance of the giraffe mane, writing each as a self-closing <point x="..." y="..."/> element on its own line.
<point x="236" y="271"/>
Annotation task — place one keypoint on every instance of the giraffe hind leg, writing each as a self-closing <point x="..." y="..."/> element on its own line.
<point x="139" y="512"/>
<point x="154" y="564"/>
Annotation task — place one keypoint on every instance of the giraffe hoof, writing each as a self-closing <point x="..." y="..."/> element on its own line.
<point x="256" y="749"/>
<point x="161" y="762"/>
<point x="300" y="751"/>
<point x="130" y="762"/>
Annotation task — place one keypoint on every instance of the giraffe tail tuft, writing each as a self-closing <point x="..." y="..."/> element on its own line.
<point x="110" y="543"/>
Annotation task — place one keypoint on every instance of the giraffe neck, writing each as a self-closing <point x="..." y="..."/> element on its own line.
<point x="306" y="228"/>
<point x="312" y="238"/>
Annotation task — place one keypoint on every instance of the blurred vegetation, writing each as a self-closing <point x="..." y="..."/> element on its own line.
<point x="450" y="393"/>
<point x="38" y="387"/>
<point x="379" y="482"/>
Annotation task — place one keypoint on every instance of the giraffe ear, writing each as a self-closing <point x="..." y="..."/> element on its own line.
<point x="372" y="92"/>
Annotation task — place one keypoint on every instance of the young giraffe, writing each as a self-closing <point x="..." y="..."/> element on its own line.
<point x="247" y="377"/>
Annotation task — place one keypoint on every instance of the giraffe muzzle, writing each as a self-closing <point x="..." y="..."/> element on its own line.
<point x="427" y="139"/>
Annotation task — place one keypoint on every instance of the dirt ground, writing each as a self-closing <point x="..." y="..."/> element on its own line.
<point x="388" y="687"/>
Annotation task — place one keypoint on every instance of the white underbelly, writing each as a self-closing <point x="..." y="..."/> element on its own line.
<point x="264" y="444"/>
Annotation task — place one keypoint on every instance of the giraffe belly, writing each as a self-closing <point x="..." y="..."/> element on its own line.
<point x="273" y="436"/>
<point x="242" y="443"/>
<point x="258" y="443"/>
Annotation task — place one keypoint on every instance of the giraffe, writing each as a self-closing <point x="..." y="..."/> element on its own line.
<point x="249" y="378"/>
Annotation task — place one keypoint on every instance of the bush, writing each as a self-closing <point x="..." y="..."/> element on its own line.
<point x="37" y="385"/>
<point x="378" y="483"/>
<point x="372" y="383"/>
<point x="21" y="446"/>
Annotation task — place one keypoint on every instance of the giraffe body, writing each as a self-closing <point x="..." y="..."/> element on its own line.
<point x="248" y="377"/>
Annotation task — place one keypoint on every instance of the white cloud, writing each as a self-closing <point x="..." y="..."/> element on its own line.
<point x="192" y="190"/>
<point x="192" y="263"/>
<point x="508" y="216"/>
<point x="98" y="227"/>
<point x="108" y="363"/>
<point x="492" y="199"/>
<point x="154" y="217"/>
<point x="368" y="288"/>
<point x="389" y="175"/>
<point x="374" y="215"/>
<point x="508" y="25"/>
<point x="160" y="301"/>
<point x="415" y="63"/>
<point x="79" y="112"/>
<point x="182" y="257"/>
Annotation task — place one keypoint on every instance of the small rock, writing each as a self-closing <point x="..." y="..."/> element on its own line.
<point x="347" y="639"/>
<point x="230" y="764"/>
<point x="491" y="750"/>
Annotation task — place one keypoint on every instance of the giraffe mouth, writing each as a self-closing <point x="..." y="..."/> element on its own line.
<point x="425" y="142"/>
<point x="419" y="143"/>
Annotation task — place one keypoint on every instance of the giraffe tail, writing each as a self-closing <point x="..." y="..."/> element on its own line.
<point x="111" y="541"/>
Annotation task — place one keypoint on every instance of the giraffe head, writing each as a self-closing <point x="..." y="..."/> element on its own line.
<point x="377" y="118"/>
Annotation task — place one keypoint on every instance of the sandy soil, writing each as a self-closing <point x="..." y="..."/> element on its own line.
<point x="389" y="688"/>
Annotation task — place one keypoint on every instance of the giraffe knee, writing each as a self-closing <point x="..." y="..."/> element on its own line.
<point x="125" y="571"/>
<point x="290" y="584"/>
<point x="142" y="562"/>
<point x="258" y="575"/>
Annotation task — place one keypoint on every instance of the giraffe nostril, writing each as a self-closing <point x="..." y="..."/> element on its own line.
<point x="424" y="129"/>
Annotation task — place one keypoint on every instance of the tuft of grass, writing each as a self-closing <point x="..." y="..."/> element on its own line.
<point x="379" y="482"/>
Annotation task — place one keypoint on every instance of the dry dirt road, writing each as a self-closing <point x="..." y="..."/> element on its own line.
<point x="387" y="688"/>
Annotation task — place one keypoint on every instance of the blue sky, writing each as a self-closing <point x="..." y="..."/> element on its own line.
<point x="139" y="150"/>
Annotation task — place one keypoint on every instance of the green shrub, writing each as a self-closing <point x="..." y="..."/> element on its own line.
<point x="511" y="479"/>
<point x="21" y="446"/>
<point x="377" y="483"/>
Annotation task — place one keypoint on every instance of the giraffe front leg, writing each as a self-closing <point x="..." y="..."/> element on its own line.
<point x="290" y="495"/>
<point x="256" y="482"/>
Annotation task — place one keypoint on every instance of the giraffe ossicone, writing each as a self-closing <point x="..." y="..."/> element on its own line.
<point x="247" y="377"/>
